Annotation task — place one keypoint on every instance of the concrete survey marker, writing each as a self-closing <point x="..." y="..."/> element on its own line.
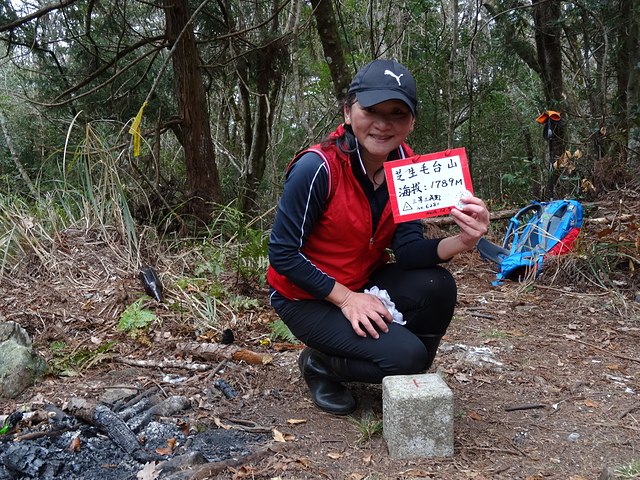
<point x="417" y="415"/>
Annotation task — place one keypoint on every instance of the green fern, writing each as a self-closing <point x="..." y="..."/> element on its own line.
<point x="136" y="318"/>
<point x="279" y="330"/>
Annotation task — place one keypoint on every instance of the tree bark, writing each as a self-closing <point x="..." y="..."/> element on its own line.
<point x="329" y="35"/>
<point x="628" y="77"/>
<point x="195" y="130"/>
<point x="263" y="70"/>
<point x="451" y="122"/>
<point x="546" y="18"/>
<point x="633" y="97"/>
<point x="16" y="158"/>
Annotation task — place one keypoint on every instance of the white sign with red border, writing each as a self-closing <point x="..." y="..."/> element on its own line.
<point x="428" y="185"/>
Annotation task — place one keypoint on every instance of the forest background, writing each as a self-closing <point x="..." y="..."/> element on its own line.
<point x="165" y="127"/>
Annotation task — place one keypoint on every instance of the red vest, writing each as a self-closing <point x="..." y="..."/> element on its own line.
<point x="341" y="244"/>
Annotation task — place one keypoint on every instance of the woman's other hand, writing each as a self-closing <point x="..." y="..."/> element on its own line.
<point x="366" y="313"/>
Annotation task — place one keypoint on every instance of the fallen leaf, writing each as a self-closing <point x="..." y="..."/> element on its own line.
<point x="367" y="459"/>
<point x="148" y="472"/>
<point x="184" y="427"/>
<point x="591" y="403"/>
<point x="614" y="366"/>
<point x="286" y="347"/>
<point x="355" y="476"/>
<point x="483" y="378"/>
<point x="305" y="462"/>
<point x="587" y="186"/>
<point x="334" y="455"/>
<point x="296" y="421"/>
<point x="246" y="471"/>
<point x="219" y="423"/>
<point x="473" y="415"/>
<point x="74" y="446"/>
<point x="416" y="473"/>
<point x="168" y="450"/>
<point x="278" y="436"/>
<point x="251" y="358"/>
<point x="515" y="333"/>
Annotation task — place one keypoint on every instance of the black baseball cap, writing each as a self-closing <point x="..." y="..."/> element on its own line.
<point x="383" y="80"/>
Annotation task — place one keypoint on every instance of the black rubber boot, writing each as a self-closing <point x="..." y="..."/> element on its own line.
<point x="324" y="384"/>
<point x="432" y="342"/>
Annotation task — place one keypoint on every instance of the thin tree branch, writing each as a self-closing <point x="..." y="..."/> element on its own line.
<point x="94" y="89"/>
<point x="15" y="158"/>
<point x="37" y="14"/>
<point x="109" y="64"/>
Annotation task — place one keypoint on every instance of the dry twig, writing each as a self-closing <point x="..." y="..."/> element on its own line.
<point x="617" y="355"/>
<point x="163" y="364"/>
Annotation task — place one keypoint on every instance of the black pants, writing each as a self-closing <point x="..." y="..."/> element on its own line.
<point x="425" y="297"/>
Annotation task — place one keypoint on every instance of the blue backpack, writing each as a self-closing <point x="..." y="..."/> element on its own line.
<point x="536" y="232"/>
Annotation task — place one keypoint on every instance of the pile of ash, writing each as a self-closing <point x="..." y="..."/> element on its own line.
<point x="95" y="441"/>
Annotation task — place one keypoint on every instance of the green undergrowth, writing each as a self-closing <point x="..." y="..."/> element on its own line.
<point x="368" y="427"/>
<point x="68" y="361"/>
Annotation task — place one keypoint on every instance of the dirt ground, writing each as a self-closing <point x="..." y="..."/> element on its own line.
<point x="553" y="391"/>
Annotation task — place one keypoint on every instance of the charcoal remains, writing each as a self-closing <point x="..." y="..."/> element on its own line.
<point x="90" y="440"/>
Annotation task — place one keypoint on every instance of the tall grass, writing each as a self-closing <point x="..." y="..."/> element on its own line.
<point x="88" y="194"/>
<point x="88" y="205"/>
<point x="99" y="167"/>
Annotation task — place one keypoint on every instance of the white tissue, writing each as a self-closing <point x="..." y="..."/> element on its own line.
<point x="384" y="297"/>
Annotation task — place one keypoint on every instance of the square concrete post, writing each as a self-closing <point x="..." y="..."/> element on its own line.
<point x="417" y="416"/>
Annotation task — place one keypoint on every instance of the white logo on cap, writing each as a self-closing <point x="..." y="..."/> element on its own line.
<point x="397" y="77"/>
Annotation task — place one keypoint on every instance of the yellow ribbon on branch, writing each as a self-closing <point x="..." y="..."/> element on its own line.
<point x="135" y="130"/>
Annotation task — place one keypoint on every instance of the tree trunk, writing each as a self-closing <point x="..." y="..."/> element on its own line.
<point x="332" y="46"/>
<point x="451" y="122"/>
<point x="633" y="97"/>
<point x="546" y="17"/>
<point x="628" y="78"/>
<point x="263" y="71"/>
<point x="16" y="158"/>
<point x="195" y="130"/>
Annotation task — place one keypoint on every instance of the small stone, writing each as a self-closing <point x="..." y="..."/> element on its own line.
<point x="573" y="437"/>
<point x="20" y="366"/>
<point x="607" y="474"/>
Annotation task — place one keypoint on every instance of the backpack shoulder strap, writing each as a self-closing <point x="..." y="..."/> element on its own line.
<point x="512" y="234"/>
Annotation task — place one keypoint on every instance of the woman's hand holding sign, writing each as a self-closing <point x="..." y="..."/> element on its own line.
<point x="473" y="220"/>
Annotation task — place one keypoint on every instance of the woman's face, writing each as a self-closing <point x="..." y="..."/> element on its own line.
<point x="379" y="128"/>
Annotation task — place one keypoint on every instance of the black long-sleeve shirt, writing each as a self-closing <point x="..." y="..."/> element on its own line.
<point x="303" y="201"/>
